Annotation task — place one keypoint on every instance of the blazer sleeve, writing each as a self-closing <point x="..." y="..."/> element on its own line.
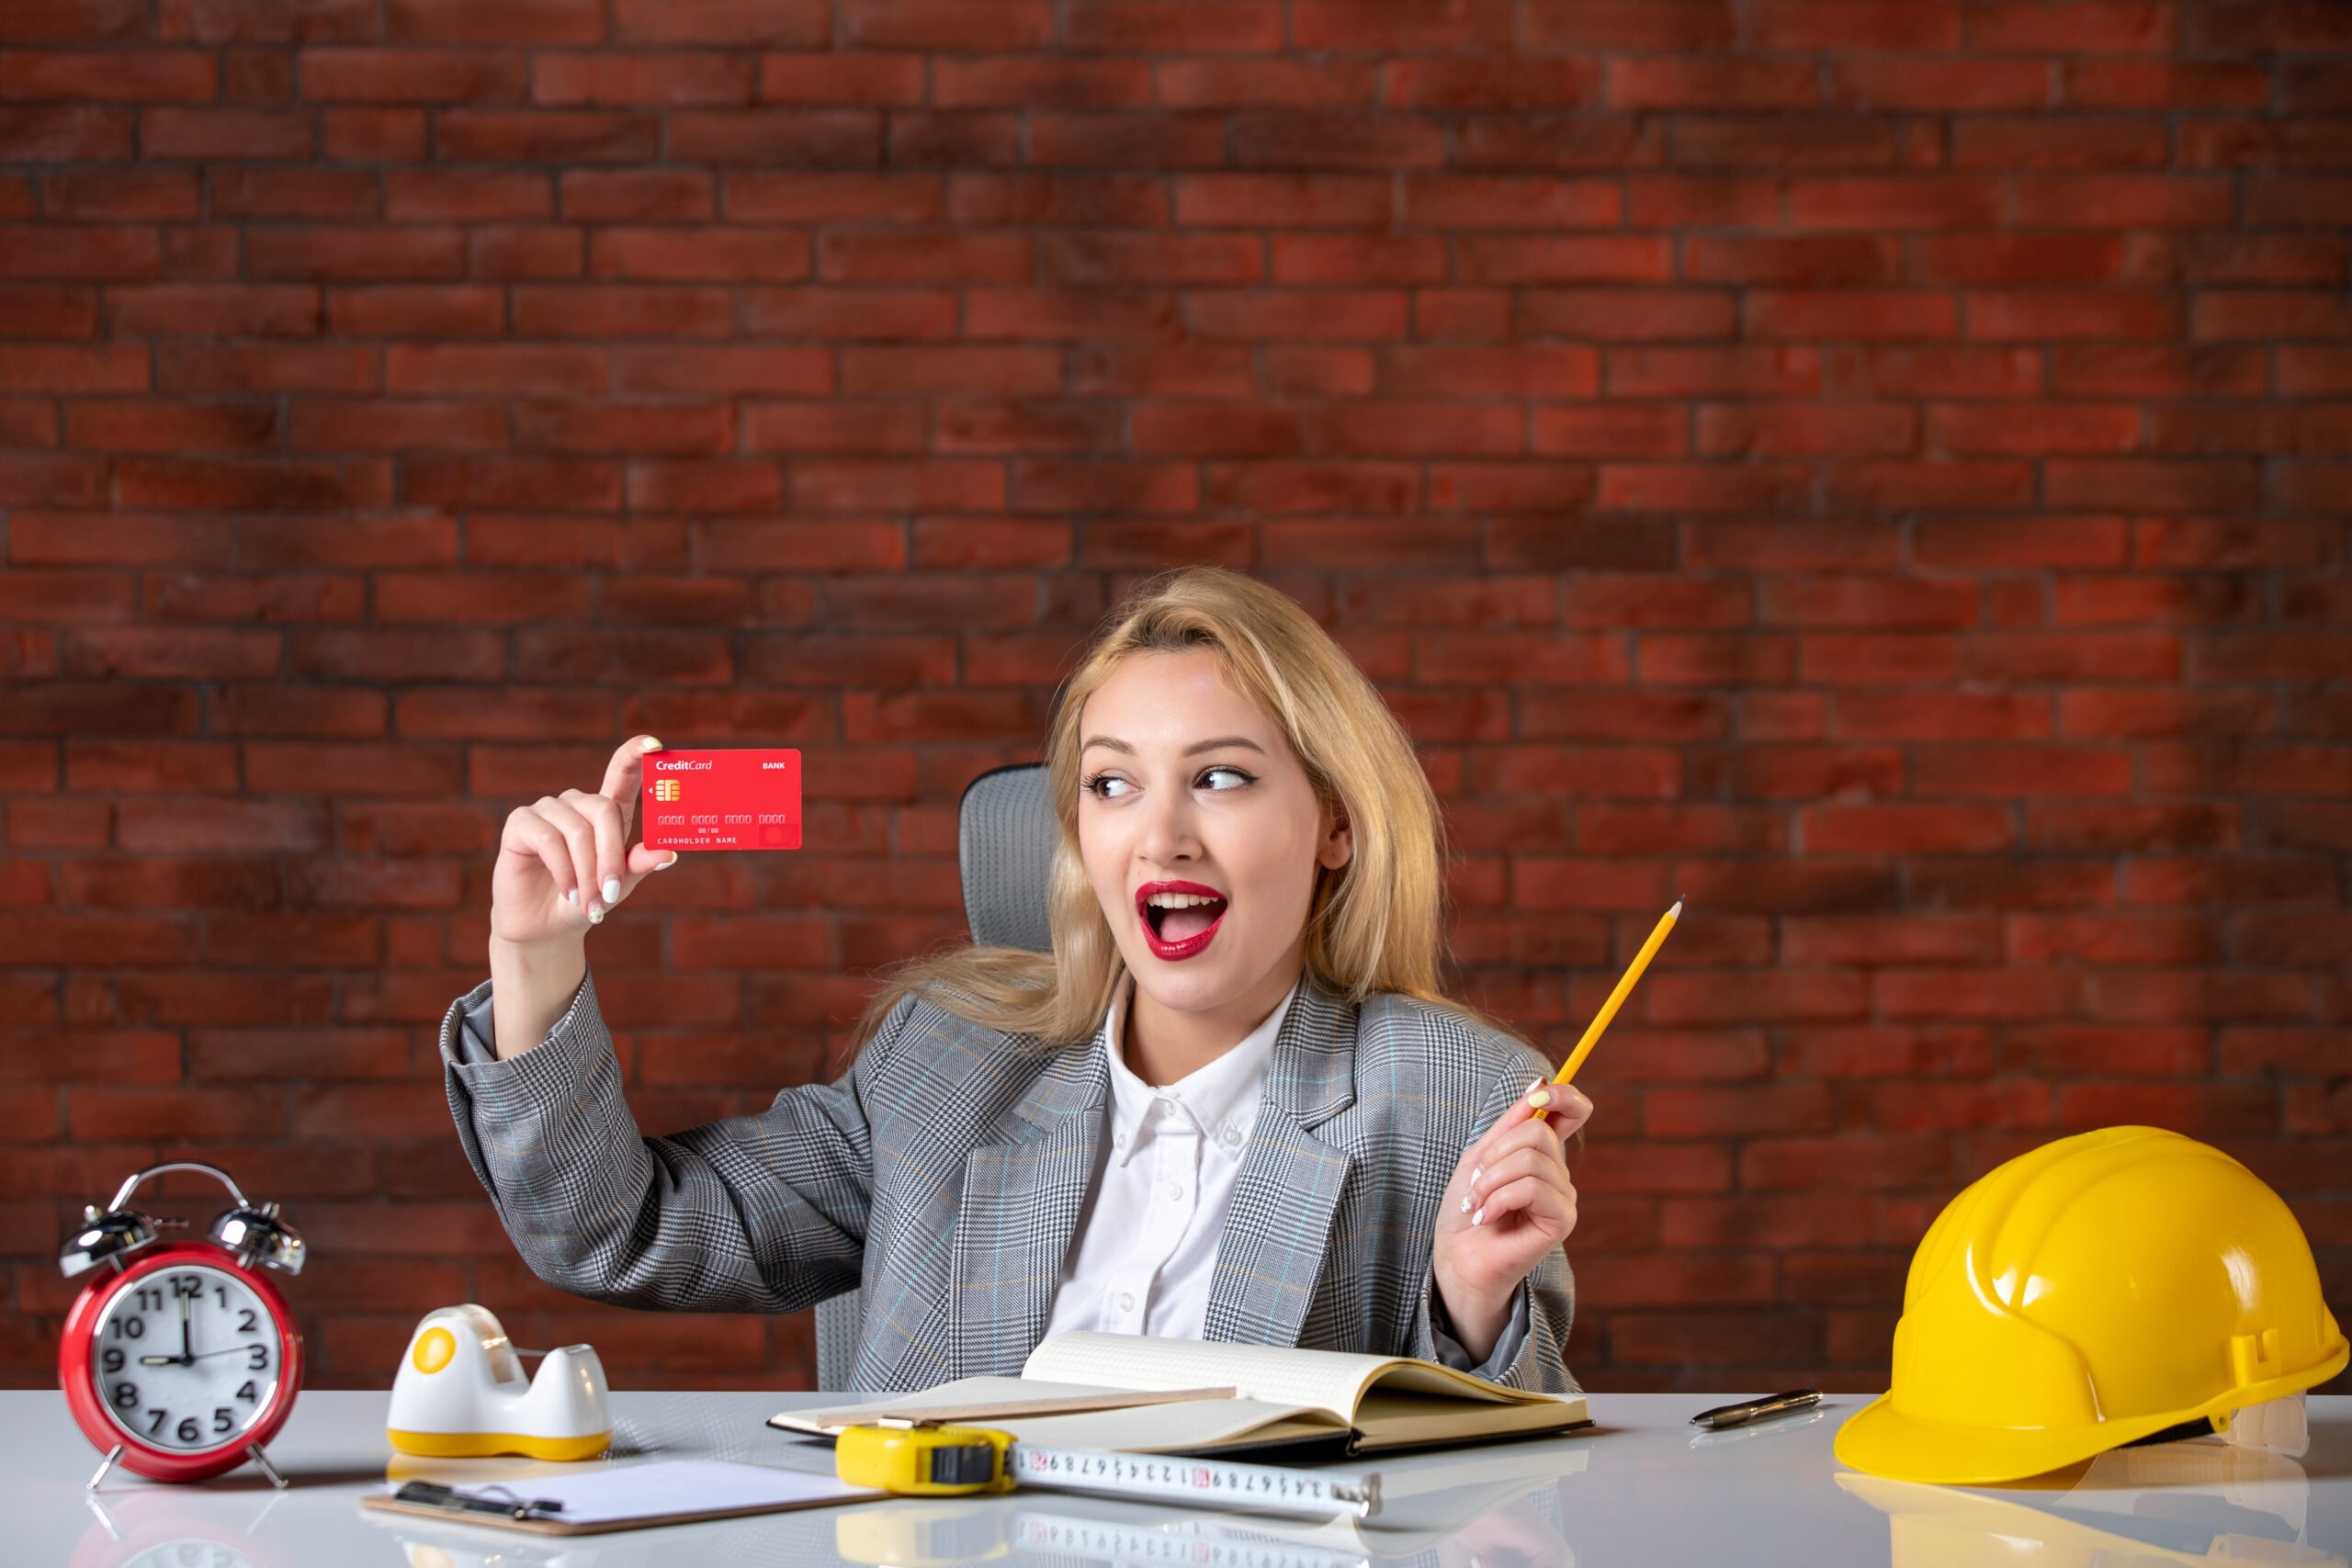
<point x="761" y="1213"/>
<point x="1532" y="1351"/>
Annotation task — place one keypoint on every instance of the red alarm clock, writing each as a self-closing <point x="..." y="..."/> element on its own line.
<point x="183" y="1360"/>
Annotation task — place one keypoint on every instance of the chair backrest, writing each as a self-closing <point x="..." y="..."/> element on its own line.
<point x="1004" y="847"/>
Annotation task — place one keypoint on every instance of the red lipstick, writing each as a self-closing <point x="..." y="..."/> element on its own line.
<point x="1192" y="946"/>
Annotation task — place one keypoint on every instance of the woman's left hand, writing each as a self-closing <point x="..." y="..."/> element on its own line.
<point x="1510" y="1203"/>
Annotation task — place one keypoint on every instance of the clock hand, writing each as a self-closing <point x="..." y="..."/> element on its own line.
<point x="231" y="1350"/>
<point x="184" y="1359"/>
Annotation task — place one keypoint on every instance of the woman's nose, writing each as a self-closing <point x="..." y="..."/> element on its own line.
<point x="1168" y="832"/>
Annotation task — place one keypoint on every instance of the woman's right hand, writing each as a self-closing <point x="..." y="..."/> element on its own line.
<point x="566" y="859"/>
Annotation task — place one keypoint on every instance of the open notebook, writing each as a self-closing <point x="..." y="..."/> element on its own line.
<point x="1140" y="1395"/>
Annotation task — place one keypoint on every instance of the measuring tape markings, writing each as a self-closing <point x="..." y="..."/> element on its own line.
<point x="1177" y="1477"/>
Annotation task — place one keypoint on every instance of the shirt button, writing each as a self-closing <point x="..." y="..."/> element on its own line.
<point x="1126" y="1301"/>
<point x="1232" y="1135"/>
<point x="1175" y="1191"/>
<point x="1118" y="1140"/>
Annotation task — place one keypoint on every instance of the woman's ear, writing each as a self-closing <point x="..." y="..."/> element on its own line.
<point x="1339" y="844"/>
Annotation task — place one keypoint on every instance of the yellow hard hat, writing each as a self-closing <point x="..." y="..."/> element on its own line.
<point x="2085" y="1295"/>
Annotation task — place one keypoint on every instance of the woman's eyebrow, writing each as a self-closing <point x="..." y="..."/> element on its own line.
<point x="1115" y="744"/>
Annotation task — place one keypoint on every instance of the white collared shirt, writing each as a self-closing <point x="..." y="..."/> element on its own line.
<point x="1148" y="1236"/>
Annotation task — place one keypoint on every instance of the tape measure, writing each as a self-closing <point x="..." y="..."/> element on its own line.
<point x="923" y="1460"/>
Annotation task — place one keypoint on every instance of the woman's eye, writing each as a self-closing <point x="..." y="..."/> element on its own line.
<point x="1098" y="784"/>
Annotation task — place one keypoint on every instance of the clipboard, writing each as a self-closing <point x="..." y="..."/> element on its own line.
<point x="628" y="1497"/>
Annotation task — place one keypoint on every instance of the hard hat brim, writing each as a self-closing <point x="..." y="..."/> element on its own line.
<point x="1881" y="1440"/>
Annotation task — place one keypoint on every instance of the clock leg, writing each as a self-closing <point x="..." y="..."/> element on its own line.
<point x="268" y="1469"/>
<point x="104" y="1465"/>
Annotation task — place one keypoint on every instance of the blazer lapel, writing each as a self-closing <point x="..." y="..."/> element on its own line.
<point x="1279" y="1226"/>
<point x="1021" y="1199"/>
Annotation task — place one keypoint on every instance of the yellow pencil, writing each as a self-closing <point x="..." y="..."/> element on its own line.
<point x="1616" y="998"/>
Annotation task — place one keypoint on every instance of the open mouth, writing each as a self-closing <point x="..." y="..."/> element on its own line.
<point x="1178" y="919"/>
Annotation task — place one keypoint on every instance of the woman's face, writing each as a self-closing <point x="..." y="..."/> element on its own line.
<point x="1185" y="781"/>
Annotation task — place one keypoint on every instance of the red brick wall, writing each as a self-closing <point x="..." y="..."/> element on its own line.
<point x="1877" y="469"/>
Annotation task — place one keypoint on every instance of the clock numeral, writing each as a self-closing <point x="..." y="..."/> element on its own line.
<point x="149" y="1299"/>
<point x="127" y="1327"/>
<point x="260" y="1361"/>
<point x="157" y="1424"/>
<point x="245" y="1323"/>
<point x="245" y="1391"/>
<point x="111" y="1360"/>
<point x="125" y="1395"/>
<point x="188" y="1430"/>
<point x="186" y="1285"/>
<point x="221" y="1421"/>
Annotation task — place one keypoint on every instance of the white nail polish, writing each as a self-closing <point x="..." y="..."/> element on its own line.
<point x="1465" y="1202"/>
<point x="1478" y="1218"/>
<point x="667" y="864"/>
<point x="572" y="894"/>
<point x="649" y="744"/>
<point x="1476" y="1171"/>
<point x="595" y="911"/>
<point x="612" y="890"/>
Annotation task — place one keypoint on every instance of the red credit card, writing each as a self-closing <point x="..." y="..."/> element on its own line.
<point x="722" y="800"/>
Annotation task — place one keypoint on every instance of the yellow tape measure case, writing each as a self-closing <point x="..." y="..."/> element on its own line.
<point x="923" y="1461"/>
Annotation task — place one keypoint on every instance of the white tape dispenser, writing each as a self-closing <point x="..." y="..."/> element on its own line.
<point x="460" y="1394"/>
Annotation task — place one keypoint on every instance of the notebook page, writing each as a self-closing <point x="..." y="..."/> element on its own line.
<point x="1327" y="1379"/>
<point x="1168" y="1429"/>
<point x="963" y="1399"/>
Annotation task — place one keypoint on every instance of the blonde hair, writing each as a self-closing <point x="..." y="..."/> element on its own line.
<point x="1374" y="924"/>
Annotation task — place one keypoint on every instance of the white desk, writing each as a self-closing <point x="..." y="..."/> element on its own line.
<point x="1644" y="1488"/>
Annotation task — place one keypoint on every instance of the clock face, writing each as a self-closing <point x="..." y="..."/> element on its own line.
<point x="185" y="1360"/>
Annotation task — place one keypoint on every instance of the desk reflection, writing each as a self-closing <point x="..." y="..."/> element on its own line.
<point x="1488" y="1508"/>
<point x="2196" y="1501"/>
<point x="170" y="1527"/>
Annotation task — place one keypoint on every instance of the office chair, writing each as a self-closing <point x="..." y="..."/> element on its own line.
<point x="1004" y="848"/>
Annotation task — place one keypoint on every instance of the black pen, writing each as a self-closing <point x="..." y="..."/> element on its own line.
<point x="434" y="1495"/>
<point x="1723" y="1415"/>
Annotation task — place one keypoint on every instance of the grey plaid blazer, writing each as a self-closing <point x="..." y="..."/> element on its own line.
<point x="944" y="1172"/>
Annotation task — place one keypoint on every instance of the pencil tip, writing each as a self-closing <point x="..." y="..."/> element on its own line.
<point x="1675" y="913"/>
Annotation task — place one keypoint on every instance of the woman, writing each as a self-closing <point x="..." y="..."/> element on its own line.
<point x="1231" y="1104"/>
